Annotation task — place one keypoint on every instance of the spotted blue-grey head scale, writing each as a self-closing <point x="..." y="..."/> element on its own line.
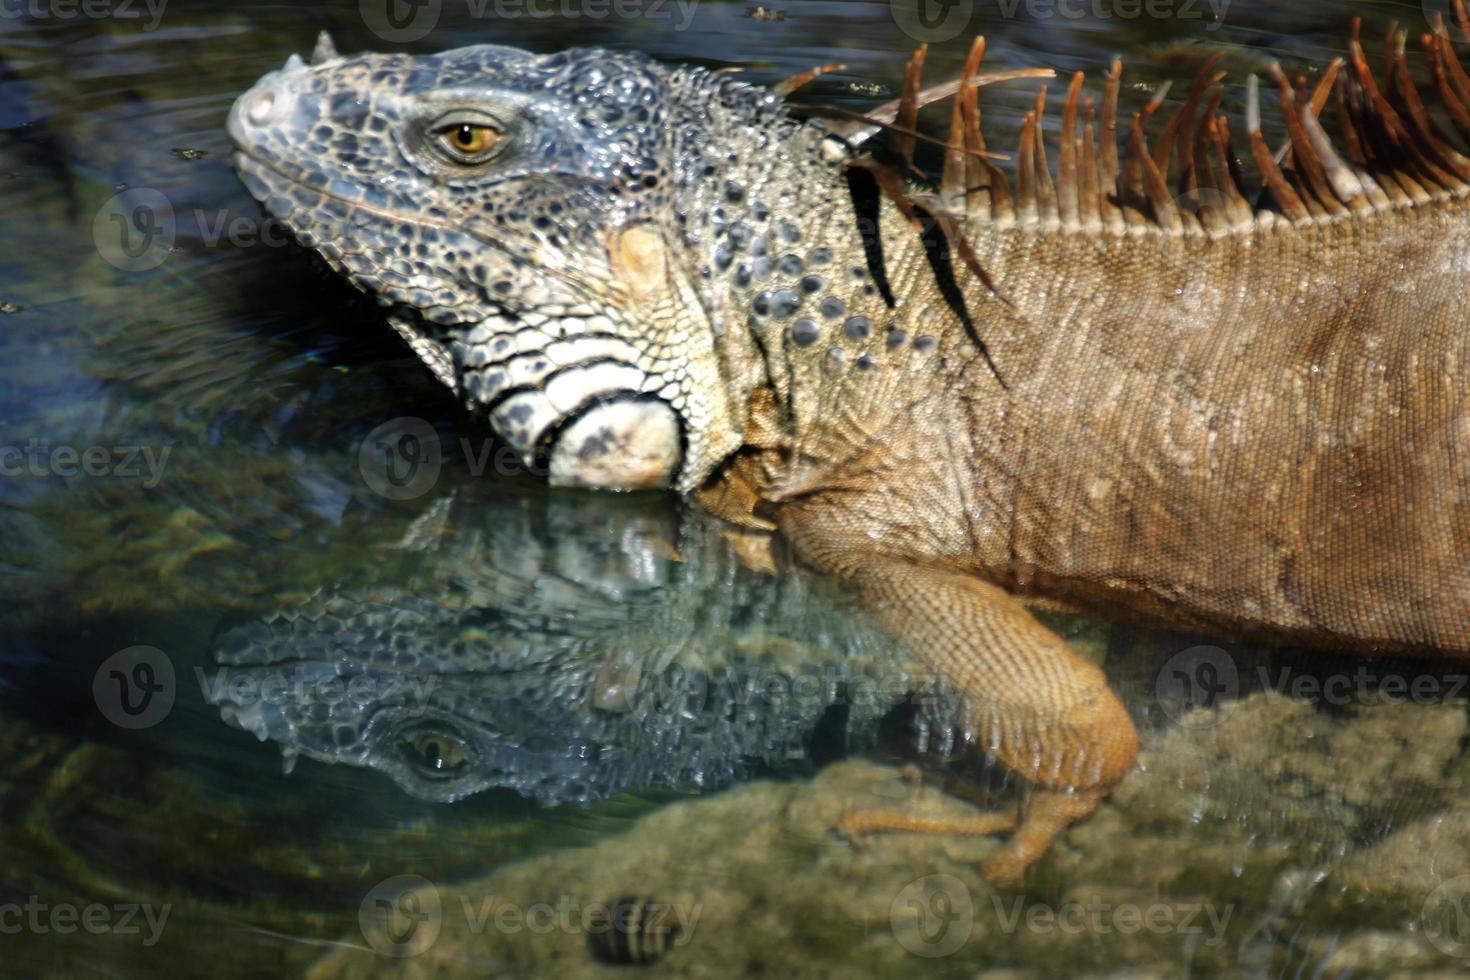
<point x="542" y="229"/>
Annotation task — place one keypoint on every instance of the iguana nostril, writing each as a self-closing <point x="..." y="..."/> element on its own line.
<point x="262" y="108"/>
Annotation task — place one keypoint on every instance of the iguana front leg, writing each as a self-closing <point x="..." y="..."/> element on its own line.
<point x="1038" y="707"/>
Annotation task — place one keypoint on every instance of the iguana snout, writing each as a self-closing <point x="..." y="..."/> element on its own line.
<point x="520" y="217"/>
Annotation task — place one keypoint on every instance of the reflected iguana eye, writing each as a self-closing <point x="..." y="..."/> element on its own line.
<point x="438" y="753"/>
<point x="468" y="142"/>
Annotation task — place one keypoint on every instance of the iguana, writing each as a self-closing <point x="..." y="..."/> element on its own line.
<point x="1135" y="385"/>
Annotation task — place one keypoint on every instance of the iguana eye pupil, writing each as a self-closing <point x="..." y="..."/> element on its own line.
<point x="468" y="139"/>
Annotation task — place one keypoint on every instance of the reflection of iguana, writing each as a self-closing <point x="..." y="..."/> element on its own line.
<point x="525" y="643"/>
<point x="1225" y="410"/>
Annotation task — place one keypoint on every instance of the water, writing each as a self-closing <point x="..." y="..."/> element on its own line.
<point x="212" y="580"/>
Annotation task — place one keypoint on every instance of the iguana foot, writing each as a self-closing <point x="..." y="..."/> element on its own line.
<point x="857" y="824"/>
<point x="1048" y="813"/>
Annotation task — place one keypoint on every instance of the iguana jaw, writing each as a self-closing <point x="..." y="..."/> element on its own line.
<point x="550" y="286"/>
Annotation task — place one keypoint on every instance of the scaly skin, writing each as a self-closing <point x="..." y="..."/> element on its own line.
<point x="1254" y="428"/>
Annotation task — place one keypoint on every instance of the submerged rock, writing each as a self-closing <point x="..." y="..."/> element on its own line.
<point x="1268" y="841"/>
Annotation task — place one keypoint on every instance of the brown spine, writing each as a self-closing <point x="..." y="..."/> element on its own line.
<point x="1090" y="191"/>
<point x="1046" y="192"/>
<point x="1314" y="185"/>
<point x="1026" y="172"/>
<point x="1068" y="191"/>
<point x="1108" y="173"/>
<point x="1286" y="198"/>
<point x="908" y="106"/>
<point x="1155" y="187"/>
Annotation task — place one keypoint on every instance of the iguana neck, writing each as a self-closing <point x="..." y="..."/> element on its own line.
<point x="796" y="292"/>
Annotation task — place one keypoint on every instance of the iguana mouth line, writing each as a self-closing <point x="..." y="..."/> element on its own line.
<point x="245" y="159"/>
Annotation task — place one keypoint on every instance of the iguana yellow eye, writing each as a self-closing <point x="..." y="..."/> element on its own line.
<point x="468" y="142"/>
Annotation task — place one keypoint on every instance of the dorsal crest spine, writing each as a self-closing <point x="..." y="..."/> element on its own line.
<point x="1390" y="153"/>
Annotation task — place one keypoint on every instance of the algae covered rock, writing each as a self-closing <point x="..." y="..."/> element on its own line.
<point x="1267" y="839"/>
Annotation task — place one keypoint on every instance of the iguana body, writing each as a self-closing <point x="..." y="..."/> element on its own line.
<point x="1247" y="419"/>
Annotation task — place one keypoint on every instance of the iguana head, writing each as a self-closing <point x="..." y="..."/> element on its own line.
<point x="539" y="227"/>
